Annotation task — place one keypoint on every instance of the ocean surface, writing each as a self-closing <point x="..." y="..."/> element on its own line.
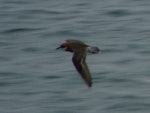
<point x="37" y="78"/>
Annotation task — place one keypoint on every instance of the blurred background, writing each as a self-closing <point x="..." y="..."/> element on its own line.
<point x="37" y="78"/>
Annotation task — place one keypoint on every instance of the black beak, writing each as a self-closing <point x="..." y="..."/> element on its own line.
<point x="58" y="47"/>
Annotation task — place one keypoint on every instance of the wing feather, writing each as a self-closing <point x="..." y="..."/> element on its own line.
<point x="81" y="66"/>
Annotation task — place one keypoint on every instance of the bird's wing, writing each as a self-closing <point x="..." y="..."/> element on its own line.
<point x="81" y="66"/>
<point x="74" y="41"/>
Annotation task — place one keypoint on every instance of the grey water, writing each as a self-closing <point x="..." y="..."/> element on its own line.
<point x="37" y="78"/>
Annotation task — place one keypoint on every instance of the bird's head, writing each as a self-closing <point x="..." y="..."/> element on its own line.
<point x="65" y="46"/>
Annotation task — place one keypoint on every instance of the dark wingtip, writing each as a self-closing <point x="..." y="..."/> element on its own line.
<point x="89" y="84"/>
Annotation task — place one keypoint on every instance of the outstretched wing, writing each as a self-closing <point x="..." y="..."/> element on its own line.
<point x="81" y="66"/>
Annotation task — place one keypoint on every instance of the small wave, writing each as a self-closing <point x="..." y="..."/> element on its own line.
<point x="118" y="12"/>
<point x="31" y="49"/>
<point x="14" y="30"/>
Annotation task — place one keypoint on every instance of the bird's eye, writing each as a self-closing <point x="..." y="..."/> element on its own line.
<point x="63" y="46"/>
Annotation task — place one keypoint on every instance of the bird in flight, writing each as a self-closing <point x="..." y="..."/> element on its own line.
<point x="79" y="50"/>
